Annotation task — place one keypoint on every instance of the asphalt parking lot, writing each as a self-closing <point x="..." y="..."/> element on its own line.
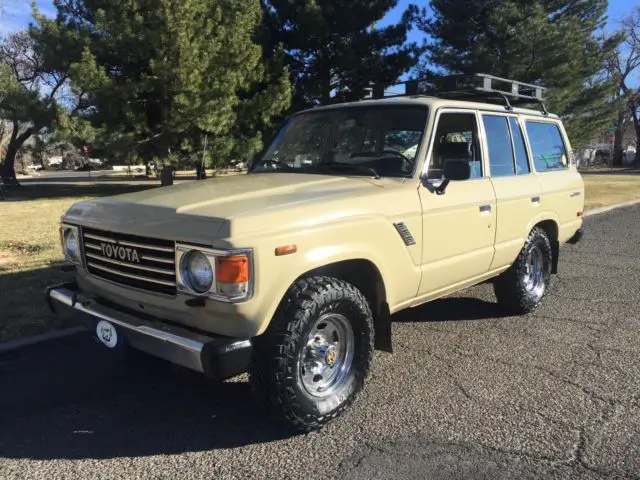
<point x="468" y="393"/>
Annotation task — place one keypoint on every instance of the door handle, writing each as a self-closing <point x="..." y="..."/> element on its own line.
<point x="535" y="199"/>
<point x="576" y="194"/>
<point x="485" y="208"/>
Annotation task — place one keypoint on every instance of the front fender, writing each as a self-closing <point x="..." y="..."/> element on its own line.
<point x="329" y="245"/>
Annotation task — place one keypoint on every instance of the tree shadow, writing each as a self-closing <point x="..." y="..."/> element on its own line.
<point x="98" y="189"/>
<point x="72" y="399"/>
<point x="451" y="309"/>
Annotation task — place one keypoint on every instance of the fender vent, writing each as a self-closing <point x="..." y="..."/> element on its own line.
<point x="405" y="233"/>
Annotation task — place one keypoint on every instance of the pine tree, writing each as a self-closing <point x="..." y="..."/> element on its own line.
<point x="334" y="49"/>
<point x="550" y="42"/>
<point x="153" y="77"/>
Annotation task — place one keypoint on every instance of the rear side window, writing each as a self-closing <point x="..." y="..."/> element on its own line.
<point x="499" y="142"/>
<point x="547" y="146"/>
<point x="522" y="161"/>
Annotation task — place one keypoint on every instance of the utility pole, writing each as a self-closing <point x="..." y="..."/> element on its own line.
<point x="204" y="153"/>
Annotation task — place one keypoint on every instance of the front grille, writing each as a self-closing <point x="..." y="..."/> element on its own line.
<point x="139" y="262"/>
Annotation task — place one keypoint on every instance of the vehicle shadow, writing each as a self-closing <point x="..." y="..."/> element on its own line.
<point x="74" y="399"/>
<point x="451" y="309"/>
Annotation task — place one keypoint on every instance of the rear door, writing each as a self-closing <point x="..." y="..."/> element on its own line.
<point x="518" y="192"/>
<point x="561" y="184"/>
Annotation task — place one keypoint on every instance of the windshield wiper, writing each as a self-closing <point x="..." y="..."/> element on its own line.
<point x="348" y="166"/>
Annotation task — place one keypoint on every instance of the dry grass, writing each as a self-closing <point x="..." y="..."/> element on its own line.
<point x="609" y="189"/>
<point x="30" y="256"/>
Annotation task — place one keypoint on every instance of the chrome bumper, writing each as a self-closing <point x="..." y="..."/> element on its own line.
<point x="220" y="357"/>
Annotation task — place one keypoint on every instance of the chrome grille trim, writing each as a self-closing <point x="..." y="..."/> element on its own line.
<point x="158" y="259"/>
<point x="129" y="275"/>
<point x="129" y="265"/>
<point x="149" y="264"/>
<point x="128" y="244"/>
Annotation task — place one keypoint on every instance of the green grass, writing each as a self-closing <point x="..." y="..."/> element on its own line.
<point x="30" y="254"/>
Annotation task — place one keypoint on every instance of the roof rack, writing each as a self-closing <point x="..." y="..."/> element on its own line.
<point x="479" y="86"/>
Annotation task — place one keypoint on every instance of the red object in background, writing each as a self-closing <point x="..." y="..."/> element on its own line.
<point x="85" y="149"/>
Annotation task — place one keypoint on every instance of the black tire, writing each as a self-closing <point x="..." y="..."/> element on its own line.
<point x="511" y="287"/>
<point x="275" y="372"/>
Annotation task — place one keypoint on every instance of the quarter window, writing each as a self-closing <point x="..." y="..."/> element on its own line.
<point x="522" y="160"/>
<point x="547" y="146"/>
<point x="501" y="159"/>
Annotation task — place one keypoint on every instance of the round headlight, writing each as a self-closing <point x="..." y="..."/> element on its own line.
<point x="198" y="271"/>
<point x="71" y="244"/>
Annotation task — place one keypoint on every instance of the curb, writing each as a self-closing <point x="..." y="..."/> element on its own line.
<point x="597" y="211"/>
<point x="12" y="345"/>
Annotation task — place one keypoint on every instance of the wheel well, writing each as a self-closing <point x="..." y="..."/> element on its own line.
<point x="366" y="277"/>
<point x="362" y="274"/>
<point x="551" y="229"/>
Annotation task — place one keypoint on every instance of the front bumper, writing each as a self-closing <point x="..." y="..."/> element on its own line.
<point x="217" y="356"/>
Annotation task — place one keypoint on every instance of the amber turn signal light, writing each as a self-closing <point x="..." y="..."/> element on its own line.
<point x="286" y="250"/>
<point x="232" y="269"/>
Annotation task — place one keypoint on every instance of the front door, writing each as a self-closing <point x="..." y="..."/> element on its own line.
<point x="459" y="226"/>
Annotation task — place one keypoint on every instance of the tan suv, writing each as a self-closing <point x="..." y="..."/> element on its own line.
<point x="355" y="212"/>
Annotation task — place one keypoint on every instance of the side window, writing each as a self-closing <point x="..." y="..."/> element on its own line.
<point x="499" y="142"/>
<point x="547" y="146"/>
<point x="522" y="160"/>
<point x="456" y="138"/>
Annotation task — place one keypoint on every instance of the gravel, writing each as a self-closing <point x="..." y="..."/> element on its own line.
<point x="468" y="393"/>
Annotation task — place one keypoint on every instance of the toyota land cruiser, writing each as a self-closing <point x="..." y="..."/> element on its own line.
<point x="355" y="212"/>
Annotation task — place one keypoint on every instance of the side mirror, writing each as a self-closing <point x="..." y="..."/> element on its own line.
<point x="454" y="170"/>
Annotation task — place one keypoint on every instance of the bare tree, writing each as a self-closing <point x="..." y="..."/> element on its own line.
<point x="29" y="105"/>
<point x="622" y="66"/>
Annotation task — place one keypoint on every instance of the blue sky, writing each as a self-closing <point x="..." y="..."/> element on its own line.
<point x="17" y="13"/>
<point x="617" y="9"/>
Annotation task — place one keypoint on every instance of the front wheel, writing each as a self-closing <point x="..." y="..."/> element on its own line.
<point x="520" y="289"/>
<point x="312" y="361"/>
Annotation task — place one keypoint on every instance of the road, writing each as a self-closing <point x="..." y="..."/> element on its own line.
<point x="469" y="393"/>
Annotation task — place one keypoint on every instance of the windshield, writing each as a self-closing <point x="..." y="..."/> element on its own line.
<point x="372" y="141"/>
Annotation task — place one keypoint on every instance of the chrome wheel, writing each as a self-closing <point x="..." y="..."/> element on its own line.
<point x="534" y="272"/>
<point x="325" y="360"/>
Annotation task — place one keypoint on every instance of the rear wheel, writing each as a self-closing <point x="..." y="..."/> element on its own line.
<point x="521" y="288"/>
<point x="313" y="360"/>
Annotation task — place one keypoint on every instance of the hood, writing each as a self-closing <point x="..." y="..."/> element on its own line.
<point x="207" y="209"/>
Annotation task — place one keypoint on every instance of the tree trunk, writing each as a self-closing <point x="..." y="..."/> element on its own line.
<point x="636" y="125"/>
<point x="325" y="78"/>
<point x="8" y="169"/>
<point x="633" y="104"/>
<point x="618" y="153"/>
